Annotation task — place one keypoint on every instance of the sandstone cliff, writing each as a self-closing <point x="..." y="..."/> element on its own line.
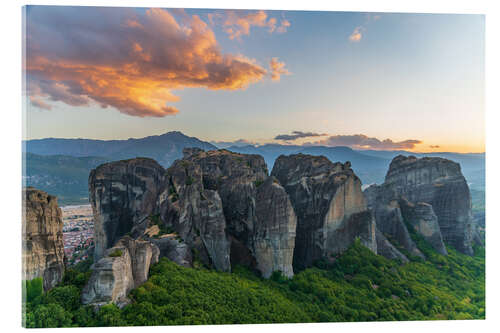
<point x="329" y="204"/>
<point x="43" y="248"/>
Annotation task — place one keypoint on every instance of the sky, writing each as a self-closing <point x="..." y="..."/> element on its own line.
<point x="365" y="80"/>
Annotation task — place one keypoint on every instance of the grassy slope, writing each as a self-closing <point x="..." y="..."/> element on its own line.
<point x="359" y="286"/>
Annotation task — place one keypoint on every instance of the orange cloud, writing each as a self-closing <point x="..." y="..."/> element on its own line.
<point x="356" y="34"/>
<point x="133" y="61"/>
<point x="284" y="26"/>
<point x="238" y="23"/>
<point x="277" y="68"/>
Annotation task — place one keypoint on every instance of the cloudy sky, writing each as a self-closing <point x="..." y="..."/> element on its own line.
<point x="365" y="80"/>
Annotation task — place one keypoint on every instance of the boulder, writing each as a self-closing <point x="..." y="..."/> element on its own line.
<point x="122" y="268"/>
<point x="329" y="204"/>
<point x="43" y="247"/>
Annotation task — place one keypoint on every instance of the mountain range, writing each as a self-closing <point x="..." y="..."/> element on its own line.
<point x="61" y="166"/>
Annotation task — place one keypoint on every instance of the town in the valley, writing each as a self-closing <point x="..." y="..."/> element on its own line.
<point x="78" y="232"/>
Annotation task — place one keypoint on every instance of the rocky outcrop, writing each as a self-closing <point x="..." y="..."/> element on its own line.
<point x="274" y="231"/>
<point x="424" y="221"/>
<point x="195" y="214"/>
<point x="386" y="249"/>
<point x="387" y="212"/>
<point x="256" y="214"/>
<point x="440" y="183"/>
<point x="122" y="268"/>
<point x="430" y="195"/>
<point x="329" y="204"/>
<point x="123" y="195"/>
<point x="43" y="248"/>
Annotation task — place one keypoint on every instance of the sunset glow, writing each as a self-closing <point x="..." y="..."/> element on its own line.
<point x="368" y="81"/>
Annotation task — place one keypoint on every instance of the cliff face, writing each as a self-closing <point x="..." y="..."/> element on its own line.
<point x="221" y="209"/>
<point x="196" y="214"/>
<point x="43" y="248"/>
<point x="123" y="195"/>
<point x="330" y="206"/>
<point x="260" y="231"/>
<point x="431" y="195"/>
<point x="274" y="231"/>
<point x="440" y="183"/>
<point x="389" y="218"/>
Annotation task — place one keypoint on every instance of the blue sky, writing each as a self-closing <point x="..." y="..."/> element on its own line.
<point x="407" y="77"/>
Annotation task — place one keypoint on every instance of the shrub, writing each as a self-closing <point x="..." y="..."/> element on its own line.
<point x="116" y="253"/>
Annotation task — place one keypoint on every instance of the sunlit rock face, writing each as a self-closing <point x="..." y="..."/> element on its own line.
<point x="329" y="204"/>
<point x="123" y="195"/>
<point x="43" y="247"/>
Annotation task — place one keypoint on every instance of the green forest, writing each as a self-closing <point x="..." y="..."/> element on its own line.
<point x="358" y="286"/>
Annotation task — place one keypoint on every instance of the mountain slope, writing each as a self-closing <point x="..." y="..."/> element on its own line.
<point x="63" y="176"/>
<point x="164" y="148"/>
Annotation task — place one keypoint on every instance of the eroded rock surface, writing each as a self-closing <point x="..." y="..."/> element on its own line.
<point x="422" y="218"/>
<point x="387" y="212"/>
<point x="123" y="195"/>
<point x="386" y="249"/>
<point x="329" y="204"/>
<point x="43" y="248"/>
<point x="122" y="268"/>
<point x="440" y="183"/>
<point x="274" y="231"/>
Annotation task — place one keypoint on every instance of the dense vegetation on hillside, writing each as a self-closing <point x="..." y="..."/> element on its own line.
<point x="358" y="286"/>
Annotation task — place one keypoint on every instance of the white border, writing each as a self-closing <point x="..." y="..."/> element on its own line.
<point x="11" y="153"/>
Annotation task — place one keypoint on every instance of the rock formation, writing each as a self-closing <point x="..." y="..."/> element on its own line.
<point x="386" y="249"/>
<point x="274" y="231"/>
<point x="261" y="231"/>
<point x="43" y="248"/>
<point x="123" y="195"/>
<point x="433" y="197"/>
<point x="424" y="221"/>
<point x="329" y="204"/>
<point x="223" y="209"/>
<point x="389" y="219"/>
<point x="122" y="268"/>
<point x="195" y="214"/>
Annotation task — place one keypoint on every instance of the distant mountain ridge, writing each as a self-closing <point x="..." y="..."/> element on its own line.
<point x="164" y="148"/>
<point x="66" y="174"/>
